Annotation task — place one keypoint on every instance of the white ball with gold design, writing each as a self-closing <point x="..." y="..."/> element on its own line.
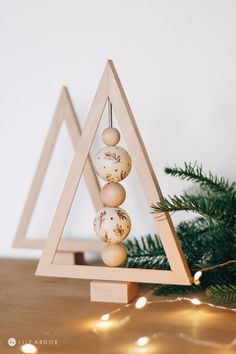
<point x="112" y="163"/>
<point x="112" y="225"/>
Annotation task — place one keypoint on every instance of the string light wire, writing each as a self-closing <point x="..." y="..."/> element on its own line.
<point x="206" y="343"/>
<point x="143" y="301"/>
<point x="198" y="274"/>
<point x="144" y="341"/>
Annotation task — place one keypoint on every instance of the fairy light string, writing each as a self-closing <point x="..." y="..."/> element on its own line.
<point x="205" y="343"/>
<point x="199" y="273"/>
<point x="143" y="301"/>
<point x="144" y="341"/>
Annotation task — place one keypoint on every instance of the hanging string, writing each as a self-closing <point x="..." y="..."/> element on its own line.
<point x="110" y="118"/>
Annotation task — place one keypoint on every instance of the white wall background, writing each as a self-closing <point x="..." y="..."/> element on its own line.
<point x="176" y="60"/>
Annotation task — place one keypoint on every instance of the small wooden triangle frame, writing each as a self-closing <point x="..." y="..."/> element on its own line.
<point x="110" y="86"/>
<point x="64" y="112"/>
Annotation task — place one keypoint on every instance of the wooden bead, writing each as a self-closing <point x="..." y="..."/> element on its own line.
<point x="113" y="194"/>
<point x="111" y="136"/>
<point x="112" y="163"/>
<point x="112" y="225"/>
<point x="114" y="255"/>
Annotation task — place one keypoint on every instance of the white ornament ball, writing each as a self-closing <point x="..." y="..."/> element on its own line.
<point x="111" y="136"/>
<point x="114" y="254"/>
<point x="113" y="194"/>
<point x="112" y="163"/>
<point x="112" y="225"/>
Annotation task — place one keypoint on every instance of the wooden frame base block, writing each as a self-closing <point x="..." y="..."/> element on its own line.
<point x="119" y="292"/>
<point x="68" y="258"/>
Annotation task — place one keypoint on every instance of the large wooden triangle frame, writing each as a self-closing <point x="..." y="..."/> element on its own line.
<point x="110" y="87"/>
<point x="64" y="113"/>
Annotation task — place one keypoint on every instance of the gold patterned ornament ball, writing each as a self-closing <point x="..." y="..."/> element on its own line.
<point x="112" y="163"/>
<point x="113" y="194"/>
<point x="114" y="255"/>
<point x="112" y="225"/>
<point x="111" y="136"/>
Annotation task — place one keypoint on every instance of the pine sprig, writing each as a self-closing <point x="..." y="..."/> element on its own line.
<point x="194" y="173"/>
<point x="147" y="253"/>
<point x="199" y="250"/>
<point x="202" y="243"/>
<point x="165" y="290"/>
<point x="222" y="294"/>
<point x="207" y="240"/>
<point x="218" y="208"/>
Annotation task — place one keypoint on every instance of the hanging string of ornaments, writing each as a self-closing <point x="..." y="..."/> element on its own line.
<point x="112" y="224"/>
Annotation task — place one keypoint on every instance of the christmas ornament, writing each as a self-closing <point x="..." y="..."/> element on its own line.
<point x="112" y="163"/>
<point x="114" y="284"/>
<point x="112" y="224"/>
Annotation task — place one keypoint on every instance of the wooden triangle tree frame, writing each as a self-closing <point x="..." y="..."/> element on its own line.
<point x="110" y="86"/>
<point x="64" y="113"/>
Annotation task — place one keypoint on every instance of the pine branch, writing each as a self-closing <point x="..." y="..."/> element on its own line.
<point x="222" y="294"/>
<point x="216" y="276"/>
<point x="193" y="172"/>
<point x="146" y="253"/>
<point x="218" y="208"/>
<point x="147" y="262"/>
<point x="206" y="240"/>
<point x="219" y="276"/>
<point x="166" y="290"/>
<point x="206" y="247"/>
<point x="147" y="245"/>
<point x="203" y="246"/>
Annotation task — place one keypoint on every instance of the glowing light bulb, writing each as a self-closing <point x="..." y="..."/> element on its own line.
<point x="105" y="317"/>
<point x="104" y="324"/>
<point x="197" y="277"/>
<point x="29" y="349"/>
<point x="196" y="302"/>
<point x="141" y="302"/>
<point x="142" y="341"/>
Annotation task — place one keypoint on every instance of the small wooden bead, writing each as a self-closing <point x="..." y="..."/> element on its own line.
<point x="111" y="136"/>
<point x="114" y="255"/>
<point x="113" y="194"/>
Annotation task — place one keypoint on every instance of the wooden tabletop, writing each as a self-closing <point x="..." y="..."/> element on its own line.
<point x="58" y="312"/>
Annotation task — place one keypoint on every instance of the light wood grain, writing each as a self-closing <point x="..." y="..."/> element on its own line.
<point x="110" y="87"/>
<point x="118" y="292"/>
<point x="64" y="113"/>
<point x="56" y="308"/>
